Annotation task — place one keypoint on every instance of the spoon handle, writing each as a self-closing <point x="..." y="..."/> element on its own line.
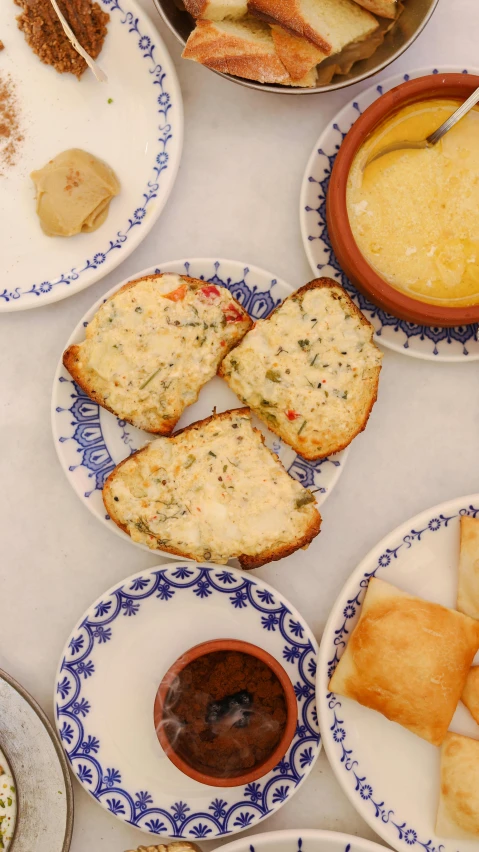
<point x="99" y="74"/>
<point x="455" y="117"/>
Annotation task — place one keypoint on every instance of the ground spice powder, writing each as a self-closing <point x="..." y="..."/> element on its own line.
<point x="44" y="32"/>
<point x="225" y="713"/>
<point x="10" y="133"/>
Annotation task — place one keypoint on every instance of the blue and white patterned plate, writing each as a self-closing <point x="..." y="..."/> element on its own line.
<point x="134" y="122"/>
<point x="91" y="442"/>
<point x="309" y="840"/>
<point x="390" y="775"/>
<point x="434" y="344"/>
<point x="107" y="680"/>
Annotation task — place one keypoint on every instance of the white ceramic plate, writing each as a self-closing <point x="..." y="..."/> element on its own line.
<point x="42" y="780"/>
<point x="390" y="775"/>
<point x="295" y="840"/>
<point x="139" y="134"/>
<point x="110" y="670"/>
<point x="435" y="344"/>
<point x="91" y="442"/>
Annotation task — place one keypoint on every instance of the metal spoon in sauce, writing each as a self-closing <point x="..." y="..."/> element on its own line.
<point x="434" y="138"/>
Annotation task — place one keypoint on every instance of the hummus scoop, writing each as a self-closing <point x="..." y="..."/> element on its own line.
<point x="74" y="191"/>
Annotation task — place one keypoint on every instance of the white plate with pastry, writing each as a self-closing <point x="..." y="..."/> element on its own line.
<point x="91" y="441"/>
<point x="132" y="124"/>
<point x="397" y="650"/>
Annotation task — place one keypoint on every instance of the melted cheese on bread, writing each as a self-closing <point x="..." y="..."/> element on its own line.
<point x="151" y="347"/>
<point x="310" y="371"/>
<point x="212" y="492"/>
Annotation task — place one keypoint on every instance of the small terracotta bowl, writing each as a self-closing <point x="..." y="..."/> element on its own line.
<point x="348" y="254"/>
<point x="291" y="712"/>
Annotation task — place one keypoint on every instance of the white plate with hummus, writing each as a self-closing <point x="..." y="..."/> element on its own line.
<point x="133" y="123"/>
<point x="36" y="798"/>
<point x="390" y="775"/>
<point x="91" y="441"/>
<point x="437" y="344"/>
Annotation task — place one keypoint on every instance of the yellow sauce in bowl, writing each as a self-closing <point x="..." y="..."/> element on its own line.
<point x="414" y="214"/>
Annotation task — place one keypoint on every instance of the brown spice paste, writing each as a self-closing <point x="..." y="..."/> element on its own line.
<point x="225" y="713"/>
<point x="44" y="32"/>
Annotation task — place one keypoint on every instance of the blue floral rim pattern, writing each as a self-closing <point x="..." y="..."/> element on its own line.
<point x="465" y="335"/>
<point x="234" y="809"/>
<point x="160" y="162"/>
<point x="379" y="808"/>
<point x="300" y="847"/>
<point x="85" y="427"/>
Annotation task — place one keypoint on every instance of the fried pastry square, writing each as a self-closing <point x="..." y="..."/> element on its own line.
<point x="408" y="659"/>
<point x="470" y="696"/>
<point x="458" y="812"/>
<point x="468" y="590"/>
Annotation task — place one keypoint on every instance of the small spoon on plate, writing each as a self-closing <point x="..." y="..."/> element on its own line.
<point x="434" y="138"/>
<point x="99" y="74"/>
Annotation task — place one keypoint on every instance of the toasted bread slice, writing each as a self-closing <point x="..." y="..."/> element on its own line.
<point x="383" y="8"/>
<point x="243" y="48"/>
<point x="216" y="10"/>
<point x="297" y="55"/>
<point x="310" y="370"/>
<point x="329" y="24"/>
<point x="152" y="346"/>
<point x="212" y="492"/>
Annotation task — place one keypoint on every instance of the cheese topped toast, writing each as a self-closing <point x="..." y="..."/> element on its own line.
<point x="152" y="346"/>
<point x="310" y="371"/>
<point x="212" y="492"/>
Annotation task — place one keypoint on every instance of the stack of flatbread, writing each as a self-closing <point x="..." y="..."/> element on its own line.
<point x="411" y="661"/>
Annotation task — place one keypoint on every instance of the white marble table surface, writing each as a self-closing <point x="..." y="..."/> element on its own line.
<point x="236" y="196"/>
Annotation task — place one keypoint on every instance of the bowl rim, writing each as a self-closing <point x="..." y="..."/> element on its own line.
<point x="201" y="650"/>
<point x="344" y="245"/>
<point x="316" y="90"/>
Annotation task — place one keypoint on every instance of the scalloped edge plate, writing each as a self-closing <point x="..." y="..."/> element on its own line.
<point x="82" y="260"/>
<point x="107" y="730"/>
<point x="432" y="344"/>
<point x="388" y="774"/>
<point x="91" y="441"/>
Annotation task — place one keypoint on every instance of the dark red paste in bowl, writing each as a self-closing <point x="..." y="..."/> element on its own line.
<point x="225" y="713"/>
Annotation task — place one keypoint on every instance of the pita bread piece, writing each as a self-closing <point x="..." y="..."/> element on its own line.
<point x="470" y="696"/>
<point x="468" y="590"/>
<point x="458" y="813"/>
<point x="408" y="659"/>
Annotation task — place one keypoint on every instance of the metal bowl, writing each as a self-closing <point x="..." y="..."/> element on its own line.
<point x="410" y="24"/>
<point x="40" y="770"/>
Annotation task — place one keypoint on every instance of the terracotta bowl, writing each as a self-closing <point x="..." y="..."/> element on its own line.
<point x="291" y="712"/>
<point x="348" y="254"/>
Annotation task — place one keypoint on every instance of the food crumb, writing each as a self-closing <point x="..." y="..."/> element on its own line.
<point x="110" y="100"/>
<point x="2" y="46"/>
